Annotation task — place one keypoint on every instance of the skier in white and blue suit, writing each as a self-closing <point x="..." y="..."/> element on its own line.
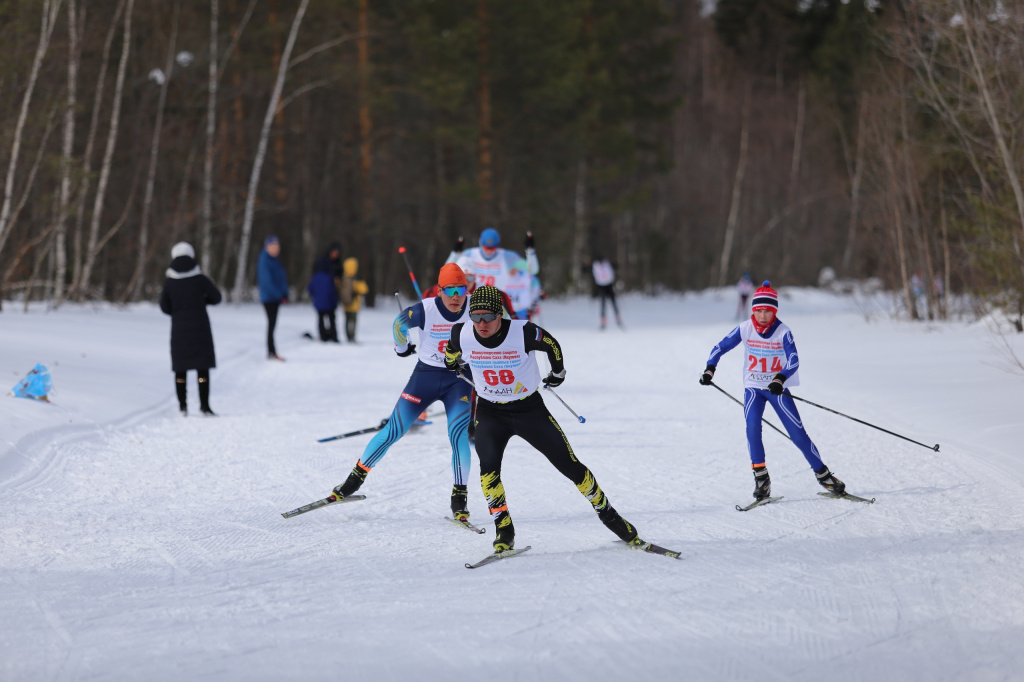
<point x="771" y="361"/>
<point x="430" y="382"/>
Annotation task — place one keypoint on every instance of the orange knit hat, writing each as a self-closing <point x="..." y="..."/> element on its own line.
<point x="451" y="274"/>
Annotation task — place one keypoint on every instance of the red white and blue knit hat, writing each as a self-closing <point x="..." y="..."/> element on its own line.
<point x="765" y="298"/>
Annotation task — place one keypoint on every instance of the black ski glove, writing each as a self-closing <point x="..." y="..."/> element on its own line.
<point x="407" y="352"/>
<point x="460" y="244"/>
<point x="453" y="361"/>
<point x="553" y="379"/>
<point x="775" y="388"/>
<point x="707" y="376"/>
<point x="529" y="240"/>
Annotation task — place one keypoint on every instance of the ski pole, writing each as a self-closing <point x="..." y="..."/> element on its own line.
<point x="731" y="397"/>
<point x="371" y="429"/>
<point x="419" y="295"/>
<point x="580" y="419"/>
<point x="398" y="300"/>
<point x="859" y="421"/>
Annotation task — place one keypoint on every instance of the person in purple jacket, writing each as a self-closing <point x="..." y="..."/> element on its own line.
<point x="325" y="299"/>
<point x="770" y="361"/>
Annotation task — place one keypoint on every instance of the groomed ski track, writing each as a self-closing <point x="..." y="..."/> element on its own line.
<point x="135" y="544"/>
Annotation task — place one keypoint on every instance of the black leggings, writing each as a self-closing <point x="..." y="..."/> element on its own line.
<point x="271" y="309"/>
<point x="607" y="292"/>
<point x="328" y="325"/>
<point x="530" y="420"/>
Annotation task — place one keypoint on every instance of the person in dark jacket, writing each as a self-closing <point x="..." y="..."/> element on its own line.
<point x="273" y="283"/>
<point x="185" y="295"/>
<point x="325" y="299"/>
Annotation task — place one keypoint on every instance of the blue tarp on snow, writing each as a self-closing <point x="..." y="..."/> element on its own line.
<point x="35" y="385"/>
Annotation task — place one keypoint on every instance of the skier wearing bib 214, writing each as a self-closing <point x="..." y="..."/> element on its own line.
<point x="771" y="361"/>
<point x="499" y="353"/>
<point x="430" y="381"/>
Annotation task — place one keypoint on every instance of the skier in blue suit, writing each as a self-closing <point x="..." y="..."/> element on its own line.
<point x="771" y="361"/>
<point x="430" y="382"/>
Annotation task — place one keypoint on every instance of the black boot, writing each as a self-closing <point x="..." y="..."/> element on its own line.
<point x="616" y="524"/>
<point x="460" y="509"/>
<point x="204" y="396"/>
<point x="762" y="484"/>
<point x="830" y="482"/>
<point x="179" y="386"/>
<point x="352" y="483"/>
<point x="504" y="533"/>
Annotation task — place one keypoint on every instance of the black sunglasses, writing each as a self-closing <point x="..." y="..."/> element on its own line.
<point x="484" y="317"/>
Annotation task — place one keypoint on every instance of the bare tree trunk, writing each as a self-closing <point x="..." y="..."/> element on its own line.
<point x="67" y="148"/>
<point x="858" y="174"/>
<point x="280" y="179"/>
<point x="485" y="160"/>
<point x="83" y="188"/>
<point x="108" y="154"/>
<point x="135" y="285"/>
<point x="367" y="215"/>
<point x="579" y="241"/>
<point x="211" y="123"/>
<point x="794" y="175"/>
<point x="993" y="118"/>
<point x="49" y="20"/>
<point x="737" y="190"/>
<point x="261" y="151"/>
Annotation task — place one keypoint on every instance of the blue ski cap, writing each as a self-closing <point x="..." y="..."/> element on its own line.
<point x="490" y="238"/>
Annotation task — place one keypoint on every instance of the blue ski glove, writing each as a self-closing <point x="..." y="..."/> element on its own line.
<point x="775" y="388"/>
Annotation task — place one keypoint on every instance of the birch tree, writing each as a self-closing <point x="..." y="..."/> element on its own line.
<point x="50" y="9"/>
<point x="108" y="155"/>
<point x="211" y="127"/>
<point x="261" y="152"/>
<point x="67" y="147"/>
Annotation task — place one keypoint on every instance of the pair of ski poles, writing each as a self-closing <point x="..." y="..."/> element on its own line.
<point x="829" y="409"/>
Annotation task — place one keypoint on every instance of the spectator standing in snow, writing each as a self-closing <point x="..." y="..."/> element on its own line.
<point x="743" y="289"/>
<point x="770" y="360"/>
<point x="604" y="278"/>
<point x="273" y="282"/>
<point x="351" y="292"/>
<point x="185" y="295"/>
<point x="325" y="299"/>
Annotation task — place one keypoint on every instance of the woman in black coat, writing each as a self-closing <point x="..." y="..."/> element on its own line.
<point x="187" y="292"/>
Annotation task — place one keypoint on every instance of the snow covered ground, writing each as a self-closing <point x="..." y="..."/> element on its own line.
<point x="135" y="544"/>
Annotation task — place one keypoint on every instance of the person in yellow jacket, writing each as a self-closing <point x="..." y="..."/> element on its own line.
<point x="351" y="292"/>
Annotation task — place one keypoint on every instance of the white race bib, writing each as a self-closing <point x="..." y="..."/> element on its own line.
<point x="503" y="374"/>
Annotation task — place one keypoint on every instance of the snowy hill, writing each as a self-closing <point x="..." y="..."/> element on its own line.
<point x="137" y="544"/>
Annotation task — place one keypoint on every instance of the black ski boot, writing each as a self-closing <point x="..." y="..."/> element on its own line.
<point x="352" y="483"/>
<point x="504" y="533"/>
<point x="180" y="389"/>
<point x="460" y="509"/>
<point x="616" y="524"/>
<point x="830" y="482"/>
<point x="762" y="484"/>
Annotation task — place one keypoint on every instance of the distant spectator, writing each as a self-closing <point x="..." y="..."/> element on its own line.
<point x="273" y="283"/>
<point x="351" y="293"/>
<point x="743" y="289"/>
<point x="185" y="295"/>
<point x="604" y="278"/>
<point x="325" y="299"/>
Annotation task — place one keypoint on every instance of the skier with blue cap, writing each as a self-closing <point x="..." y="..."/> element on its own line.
<point x="493" y="265"/>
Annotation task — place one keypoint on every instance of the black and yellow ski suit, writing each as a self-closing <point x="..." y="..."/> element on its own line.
<point x="528" y="418"/>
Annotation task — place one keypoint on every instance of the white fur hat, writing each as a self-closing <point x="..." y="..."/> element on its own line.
<point x="182" y="249"/>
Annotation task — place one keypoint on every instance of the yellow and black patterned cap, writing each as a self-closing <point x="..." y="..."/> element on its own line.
<point x="486" y="298"/>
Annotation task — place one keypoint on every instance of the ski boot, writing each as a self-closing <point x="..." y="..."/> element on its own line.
<point x="504" y="533"/>
<point x="352" y="483"/>
<point x="460" y="510"/>
<point x="829" y="482"/>
<point x="762" y="484"/>
<point x="616" y="524"/>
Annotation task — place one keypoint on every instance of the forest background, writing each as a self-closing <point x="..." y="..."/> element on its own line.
<point x="687" y="141"/>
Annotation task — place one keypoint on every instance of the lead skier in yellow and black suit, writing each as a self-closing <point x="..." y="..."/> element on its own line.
<point x="499" y="353"/>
